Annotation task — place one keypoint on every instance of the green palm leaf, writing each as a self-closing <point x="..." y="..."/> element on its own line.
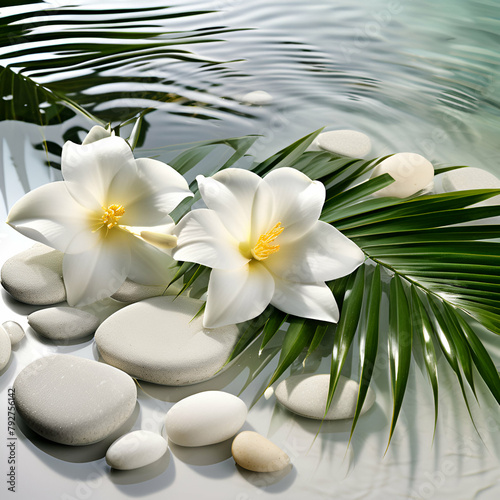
<point x="25" y="100"/>
<point x="273" y="324"/>
<point x="368" y="345"/>
<point x="423" y="329"/>
<point x="482" y="359"/>
<point x="400" y="346"/>
<point x="346" y="329"/>
<point x="299" y="335"/>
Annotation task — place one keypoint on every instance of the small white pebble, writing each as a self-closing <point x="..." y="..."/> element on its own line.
<point x="205" y="418"/>
<point x="136" y="449"/>
<point x="257" y="97"/>
<point x="344" y="142"/>
<point x="411" y="173"/>
<point x="466" y="178"/>
<point x="254" y="452"/>
<point x="14" y="330"/>
<point x="5" y="348"/>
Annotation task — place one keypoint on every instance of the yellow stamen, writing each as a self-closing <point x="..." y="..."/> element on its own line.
<point x="263" y="249"/>
<point x="112" y="215"/>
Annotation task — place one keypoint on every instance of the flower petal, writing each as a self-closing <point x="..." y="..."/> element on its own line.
<point x="202" y="238"/>
<point x="322" y="254"/>
<point x="49" y="214"/>
<point x="157" y="191"/>
<point x="105" y="168"/>
<point x="96" y="133"/>
<point x="298" y="202"/>
<point x="97" y="273"/>
<point x="230" y="193"/>
<point x="307" y="300"/>
<point x="149" y="265"/>
<point x="237" y="295"/>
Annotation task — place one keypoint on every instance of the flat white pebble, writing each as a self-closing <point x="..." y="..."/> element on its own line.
<point x="15" y="331"/>
<point x="73" y="400"/>
<point x="471" y="178"/>
<point x="306" y="395"/>
<point x="136" y="449"/>
<point x="157" y="340"/>
<point x="257" y="97"/>
<point x="35" y="276"/>
<point x="344" y="142"/>
<point x="254" y="452"/>
<point x="63" y="323"/>
<point x="205" y="418"/>
<point x="411" y="172"/>
<point x="5" y="348"/>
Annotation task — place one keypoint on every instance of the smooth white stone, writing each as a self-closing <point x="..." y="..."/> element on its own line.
<point x="133" y="292"/>
<point x="306" y="395"/>
<point x="63" y="323"/>
<point x="411" y="172"/>
<point x="314" y="146"/>
<point x="157" y="340"/>
<point x="254" y="452"/>
<point x="471" y="178"/>
<point x="257" y="97"/>
<point x="5" y="348"/>
<point x="136" y="449"/>
<point x="344" y="142"/>
<point x="72" y="400"/>
<point x="205" y="418"/>
<point x="35" y="276"/>
<point x="15" y="331"/>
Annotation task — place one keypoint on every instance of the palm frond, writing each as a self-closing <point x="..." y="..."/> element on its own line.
<point x="424" y="330"/>
<point x="400" y="345"/>
<point x="25" y="100"/>
<point x="368" y="344"/>
<point x="441" y="272"/>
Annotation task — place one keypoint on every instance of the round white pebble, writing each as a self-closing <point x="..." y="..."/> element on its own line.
<point x="257" y="97"/>
<point x="205" y="418"/>
<point x="345" y="142"/>
<point x="35" y="276"/>
<point x="63" y="323"/>
<point x="466" y="178"/>
<point x="158" y="340"/>
<point x="73" y="400"/>
<point x="136" y="449"/>
<point x="15" y="331"/>
<point x="306" y="395"/>
<point x="254" y="452"/>
<point x="5" y="348"/>
<point x="411" y="173"/>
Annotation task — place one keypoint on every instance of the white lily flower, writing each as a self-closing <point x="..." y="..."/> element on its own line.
<point x="265" y="245"/>
<point x="95" y="216"/>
